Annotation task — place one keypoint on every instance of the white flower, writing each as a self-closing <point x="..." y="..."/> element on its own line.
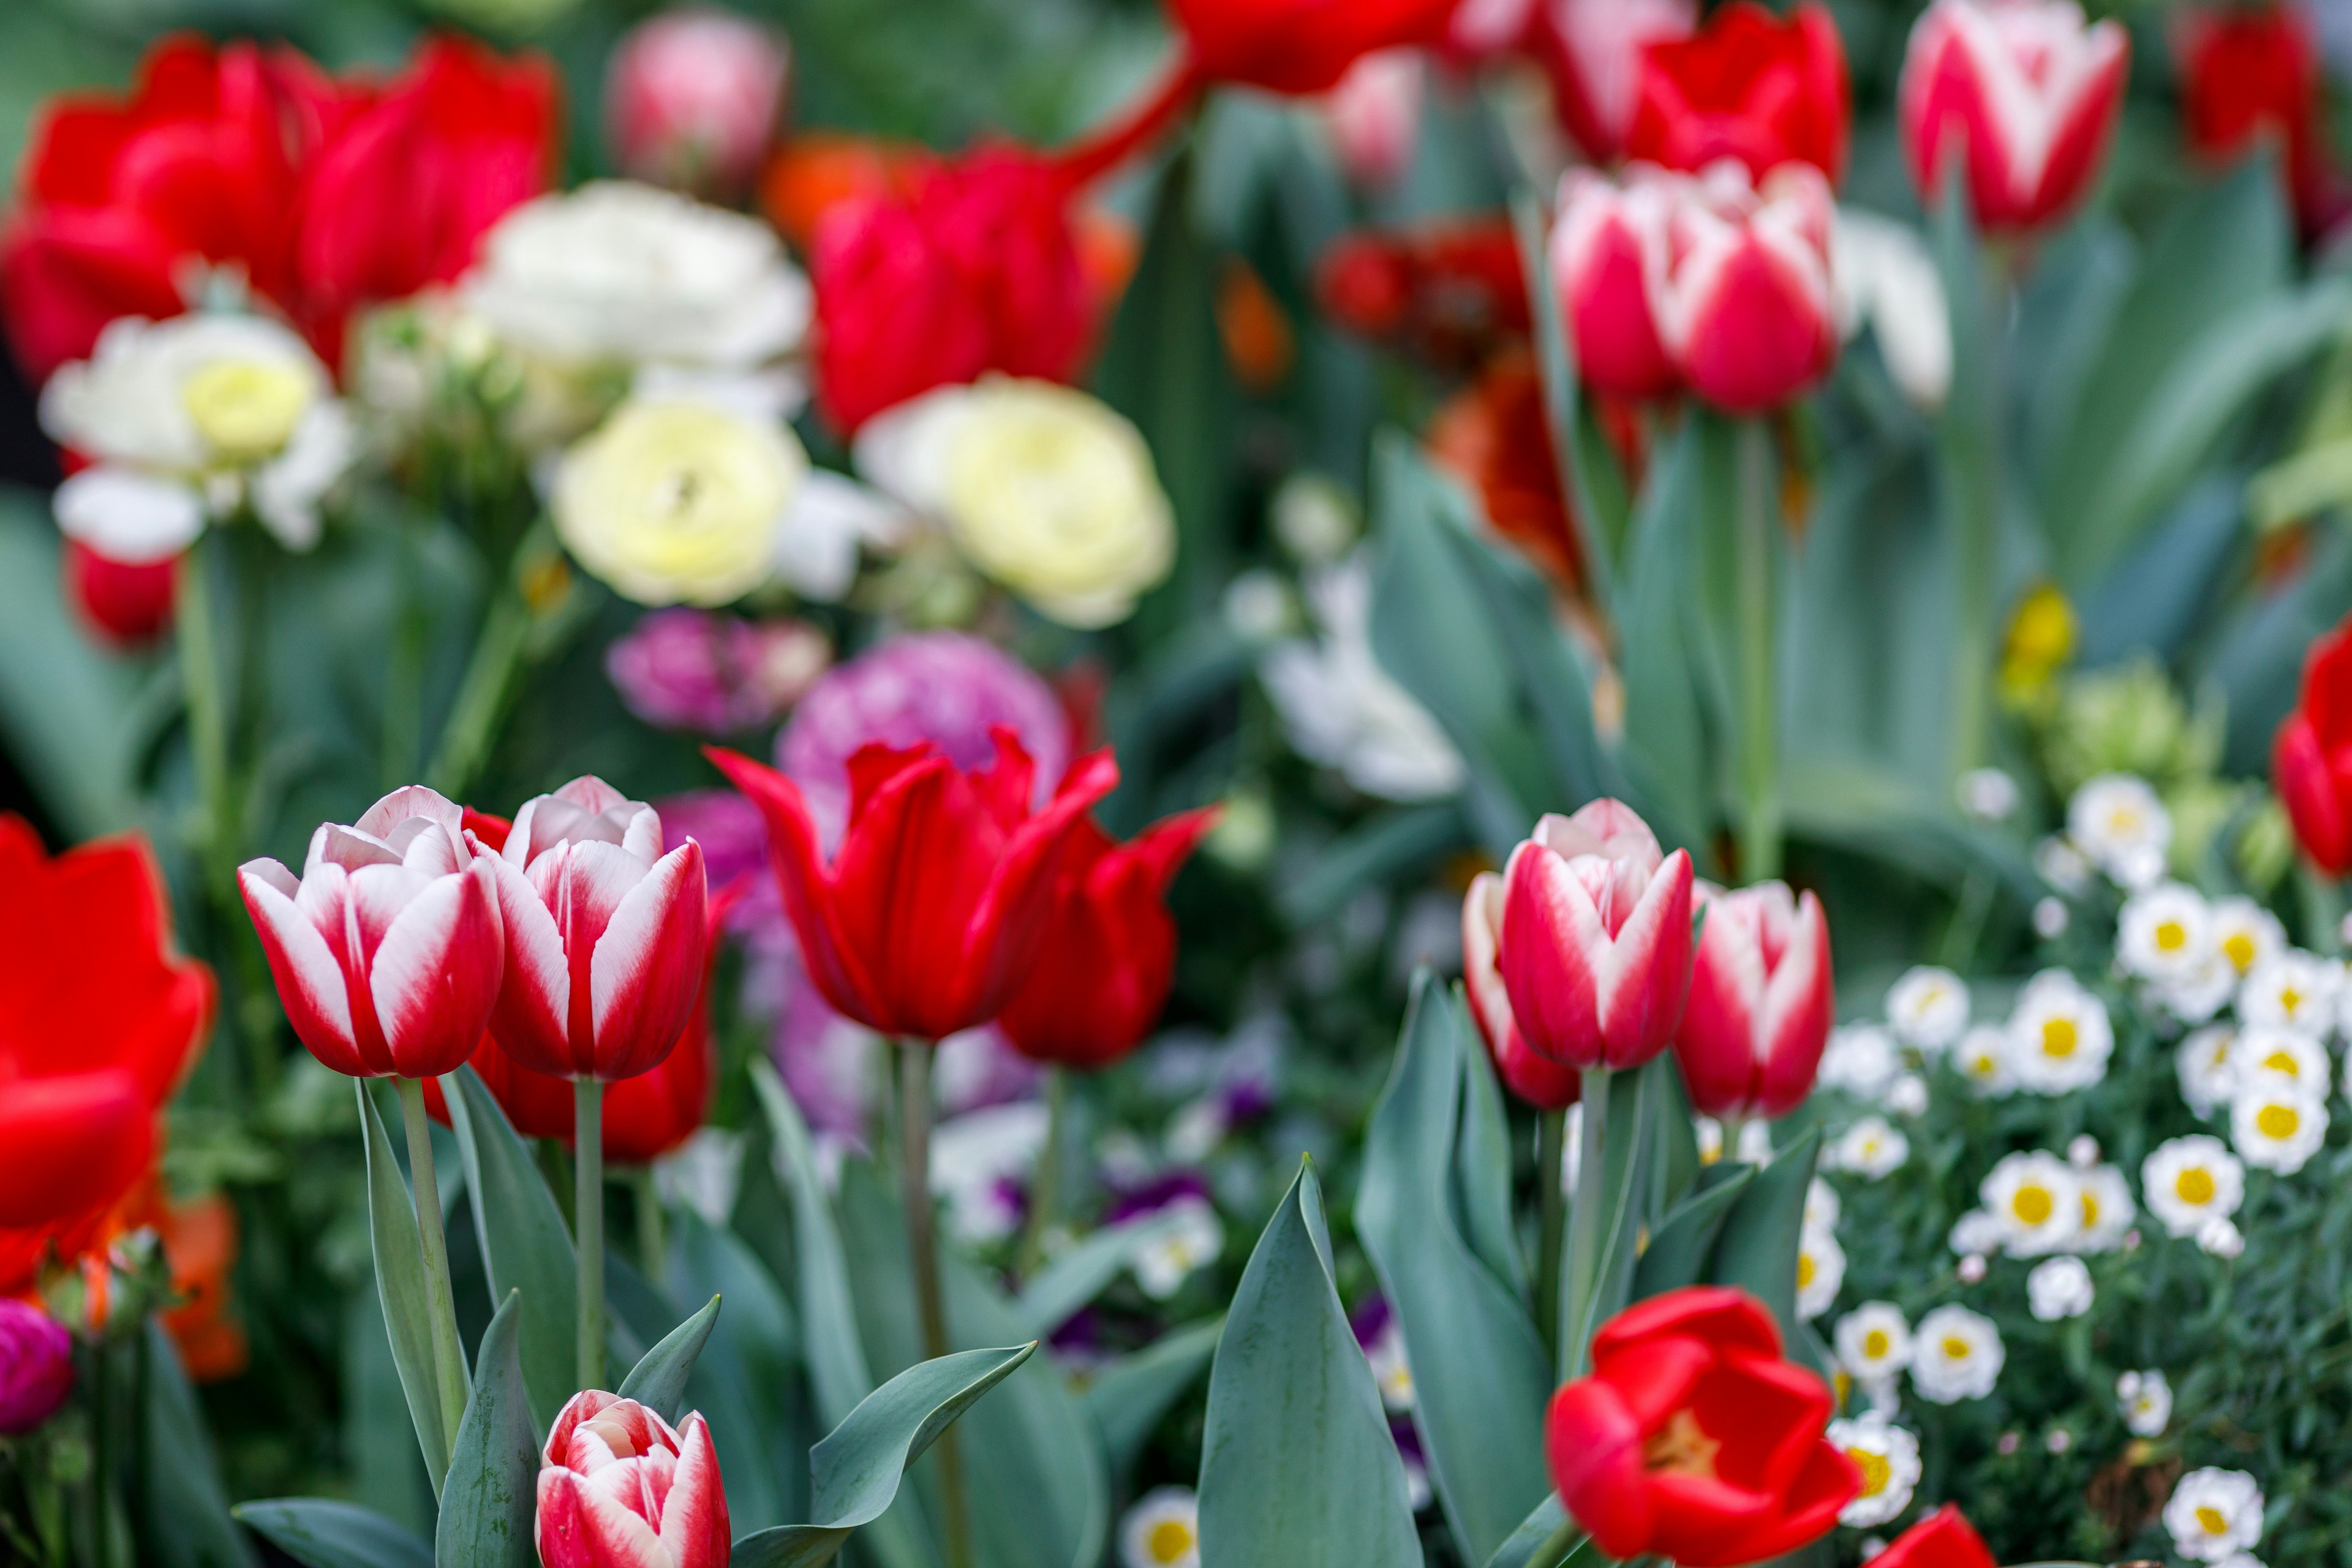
<point x="1977" y="1232"/>
<point x="2121" y="827"/>
<point x="1392" y="1373"/>
<point x="1988" y="794"/>
<point x="1870" y="1148"/>
<point x="703" y="1173"/>
<point x="2059" y="1036"/>
<point x="1709" y="1131"/>
<point x="1874" y="1342"/>
<point x="1860" y="1060"/>
<point x="2294" y="990"/>
<point x="1907" y="1096"/>
<point x="621" y="271"/>
<point x="1821" y="1270"/>
<point x="2221" y="1237"/>
<point x="1929" y="1007"/>
<point x="1315" y="519"/>
<point x="1886" y="278"/>
<point x="2201" y="994"/>
<point x="2213" y="1513"/>
<point x="2206" y="1066"/>
<point x="2165" y="933"/>
<point x="2246" y="933"/>
<point x="2050" y="917"/>
<point x="1823" y="1207"/>
<point x="2289" y="1053"/>
<point x="1257" y="606"/>
<point x="289" y="491"/>
<point x="1755" y="1143"/>
<point x="1888" y="1458"/>
<point x="2063" y="867"/>
<point x="2059" y="1288"/>
<point x="1956" y="1354"/>
<point x="1342" y="710"/>
<point x="2276" y="1122"/>
<point x="2144" y="1399"/>
<point x="1163" y="1262"/>
<point x="2081" y="1151"/>
<point x="2240" y="1560"/>
<point x="1161" y="1530"/>
<point x="1971" y="1268"/>
<point x="2108" y="1209"/>
<point x="128" y="516"/>
<point x="1982" y="1057"/>
<point x="2038" y="1201"/>
<point x="977" y="1158"/>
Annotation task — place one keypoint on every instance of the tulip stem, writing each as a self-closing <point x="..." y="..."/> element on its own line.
<point x="1760" y="761"/>
<point x="1588" y="1222"/>
<point x="441" y="1302"/>
<point x="1551" y="1222"/>
<point x="588" y="1222"/>
<point x="651" y="1243"/>
<point x="922" y="1248"/>
<point x="1045" y="1190"/>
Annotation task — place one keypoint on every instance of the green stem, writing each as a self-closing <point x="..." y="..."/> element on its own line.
<point x="1552" y="1220"/>
<point x="1588" y="1222"/>
<point x="2322" y="909"/>
<point x="650" y="1244"/>
<point x="922" y="1248"/>
<point x="588" y="1223"/>
<point x="441" y="1302"/>
<point x="1046" y="1191"/>
<point x="1734" y="1126"/>
<point x="1759" y="761"/>
<point x="481" y="695"/>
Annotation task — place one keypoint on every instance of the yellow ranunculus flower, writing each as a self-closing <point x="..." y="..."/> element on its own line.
<point x="674" y="501"/>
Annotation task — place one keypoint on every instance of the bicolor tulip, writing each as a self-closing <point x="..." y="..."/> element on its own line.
<point x="1608" y="242"/>
<point x="1749" y="86"/>
<point x="1761" y="1002"/>
<point x="2311" y="756"/>
<point x="1742" y="288"/>
<point x="388" y="951"/>
<point x="1693" y="1438"/>
<point x="1538" y="1080"/>
<point x="1595" y="941"/>
<point x="606" y="934"/>
<point x="620" y="1487"/>
<point x="1591" y="50"/>
<point x="37" y="1367"/>
<point x="2021" y="93"/>
<point x="936" y="904"/>
<point x="2246" y="72"/>
<point x="1102" y="973"/>
<point x="691" y="97"/>
<point x="1942" y="1539"/>
<point x="1299" y="46"/>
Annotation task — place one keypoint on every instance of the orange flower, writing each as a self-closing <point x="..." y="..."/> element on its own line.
<point x="819" y="169"/>
<point x="1492" y="436"/>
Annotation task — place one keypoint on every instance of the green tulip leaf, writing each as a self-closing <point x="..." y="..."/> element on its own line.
<point x="836" y="1360"/>
<point x="659" y="1380"/>
<point x="320" y="1532"/>
<point x="490" y="1505"/>
<point x="1600" y="1288"/>
<point x="1079" y="1275"/>
<point x="1678" y="1252"/>
<point x="526" y="1246"/>
<point x="1757" y="1250"/>
<point x="1128" y="1397"/>
<point x="1482" y="1167"/>
<point x="400" y="1285"/>
<point x="188" y="1521"/>
<point x="1548" y="1538"/>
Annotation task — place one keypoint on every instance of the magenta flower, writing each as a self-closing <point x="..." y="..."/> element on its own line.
<point x="36" y="1369"/>
<point x="713" y="674"/>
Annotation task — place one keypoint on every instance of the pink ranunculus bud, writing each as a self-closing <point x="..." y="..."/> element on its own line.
<point x="1608" y="243"/>
<point x="388" y="950"/>
<point x="620" y="1487"/>
<point x="1742" y="291"/>
<point x="1761" y="1002"/>
<point x="1373" y="116"/>
<point x="692" y="97"/>
<point x="1540" y="1081"/>
<point x="37" y="1369"/>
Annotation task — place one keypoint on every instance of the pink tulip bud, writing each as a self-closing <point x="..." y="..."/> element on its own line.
<point x="1741" y="288"/>
<point x="1541" y="1083"/>
<point x="620" y="1487"/>
<point x="691" y="98"/>
<point x="604" y="934"/>
<point x="37" y="1369"/>
<point x="1609" y="241"/>
<point x="1761" y="1002"/>
<point x="1596" y="938"/>
<point x="1373" y="116"/>
<point x="2024" y="91"/>
<point x="388" y="951"/>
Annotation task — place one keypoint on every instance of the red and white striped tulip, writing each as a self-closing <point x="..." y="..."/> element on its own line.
<point x="1538" y="1080"/>
<point x="620" y="1487"/>
<point x="1596" y="938"/>
<point x="388" y="951"/>
<point x="1761" y="1002"/>
<point x="1741" y="290"/>
<point x="604" y="934"/>
<point x="1592" y="51"/>
<point x="1609" y="241"/>
<point x="1373" y="115"/>
<point x="2024" y="91"/>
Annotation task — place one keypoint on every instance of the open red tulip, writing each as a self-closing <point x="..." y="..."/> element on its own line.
<point x="1749" y="86"/>
<point x="2311" y="756"/>
<point x="1942" y="1539"/>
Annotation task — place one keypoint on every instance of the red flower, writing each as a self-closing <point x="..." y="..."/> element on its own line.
<point x="1102" y="973"/>
<point x="1609" y="239"/>
<point x="1453" y="291"/>
<point x="2249" y="72"/>
<point x="2310" y="757"/>
<point x="1495" y="435"/>
<point x="645" y="1117"/>
<point x="936" y="905"/>
<point x="1693" y="1439"/>
<point x="1540" y="1081"/>
<point x="1942" y="1539"/>
<point x="99" y="1022"/>
<point x="1592" y="51"/>
<point x="128" y="601"/>
<point x="1746" y="86"/>
<point x="1300" y="46"/>
<point x="620" y="1487"/>
<point x="1761" y="1002"/>
<point x="1742" y="292"/>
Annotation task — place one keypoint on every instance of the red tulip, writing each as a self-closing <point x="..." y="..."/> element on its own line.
<point x="620" y="1487"/>
<point x="1540" y="1081"/>
<point x="1300" y="46"/>
<point x="936" y="905"/>
<point x="129" y="603"/>
<point x="691" y="97"/>
<point x="99" y="1022"/>
<point x="1942" y="1539"/>
<point x="2310" y="757"/>
<point x="1746" y="86"/>
<point x="1761" y="1002"/>
<point x="1102" y="973"/>
<point x="2023" y="93"/>
<point x="1693" y="1439"/>
<point x="1743" y="294"/>
<point x="388" y="951"/>
<point x="1607" y="240"/>
<point x="604" y="934"/>
<point x="1596" y="938"/>
<point x="2250" y="71"/>
<point x="1592" y="51"/>
<point x="37" y="1367"/>
<point x="1454" y="290"/>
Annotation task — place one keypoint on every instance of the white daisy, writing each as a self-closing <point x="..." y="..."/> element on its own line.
<point x="2050" y="917"/>
<point x="1907" y="1096"/>
<point x="2213" y="1513"/>
<point x="2294" y="990"/>
<point x="1161" y="1530"/>
<point x="2165" y="933"/>
<point x="2276" y="1122"/>
<point x="1860" y="1060"/>
<point x="2061" y="866"/>
<point x="2037" y="1200"/>
<point x="2205" y="1063"/>
<point x="1821" y="1270"/>
<point x="2190" y="1180"/>
<point x="2221" y="1237"/>
<point x="1983" y="1059"/>
<point x="1874" y="1342"/>
<point x="1929" y="1007"/>
<point x="2246" y="933"/>
<point x="2059" y="1288"/>
<point x="1976" y="1233"/>
<point x="2108" y="1209"/>
<point x="1888" y="1458"/>
<point x="2203" y="994"/>
<point x="2120" y="827"/>
<point x="1822" y="1206"/>
<point x="2059" y="1036"/>
<point x="2144" y="1399"/>
<point x="2082" y="1152"/>
<point x="1956" y="1354"/>
<point x="1870" y="1148"/>
<point x="2291" y="1053"/>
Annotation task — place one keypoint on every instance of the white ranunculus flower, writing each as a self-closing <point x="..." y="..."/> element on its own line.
<point x="128" y="516"/>
<point x="1956" y="1354"/>
<point x="2144" y="1399"/>
<point x="2214" y="1513"/>
<point x="2293" y="989"/>
<point x="2037" y="1199"/>
<point x="1860" y="1060"/>
<point x="2165" y="933"/>
<point x="2059" y="1035"/>
<point x="1888" y="1458"/>
<point x="621" y="271"/>
<point x="1161" y="1530"/>
<point x="2206" y="1063"/>
<point x="1874" y="1342"/>
<point x="1886" y="279"/>
<point x="2058" y="1289"/>
<point x="2120" y="827"/>
<point x="1929" y="1007"/>
<point x="1820" y="1271"/>
<point x="2188" y="1182"/>
<point x="2246" y="933"/>
<point x="2276" y="1122"/>
<point x="1870" y="1148"/>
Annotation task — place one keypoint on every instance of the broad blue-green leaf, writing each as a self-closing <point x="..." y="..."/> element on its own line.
<point x="525" y="1245"/>
<point x="1386" y="846"/>
<point x="1625" y="1166"/>
<point x="659" y="1380"/>
<point x="1480" y="1375"/>
<point x="1127" y="1397"/>
<point x="1678" y="1252"/>
<point x="1757" y="1250"/>
<point x="1298" y="1466"/>
<point x="67" y="709"/>
<point x="747" y="1383"/>
<point x="400" y="1285"/>
<point x="1546" y="1540"/>
<point x="1668" y="756"/>
<point x="489" y="1505"/>
<point x="837" y="1361"/>
<point x="1079" y="1275"/>
<point x="1482" y="1170"/>
<point x="322" y="1534"/>
<point x="189" y="1524"/>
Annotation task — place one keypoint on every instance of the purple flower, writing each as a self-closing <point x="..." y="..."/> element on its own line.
<point x="946" y="688"/>
<point x="695" y="669"/>
<point x="1156" y="1193"/>
<point x="36" y="1369"/>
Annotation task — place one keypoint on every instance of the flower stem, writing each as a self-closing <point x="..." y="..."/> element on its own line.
<point x="1045" y="1190"/>
<point x="1106" y="148"/>
<point x="651" y="1245"/>
<point x="922" y="1248"/>
<point x="588" y="1223"/>
<point x="1759" y="761"/>
<point x="1587" y="1223"/>
<point x="441" y="1302"/>
<point x="1551" y="1222"/>
<point x="481" y="696"/>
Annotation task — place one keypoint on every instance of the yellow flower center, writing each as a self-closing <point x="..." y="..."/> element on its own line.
<point x="2240" y="949"/>
<point x="2059" y="1037"/>
<point x="1681" y="1447"/>
<point x="245" y="409"/>
<point x="1876" y="1344"/>
<point x="2290" y="1000"/>
<point x="2034" y="1205"/>
<point x="2090" y="1209"/>
<point x="2171" y="936"/>
<point x="1875" y="1471"/>
<point x="2282" y="1061"/>
<point x="1170" y="1542"/>
<point x="1957" y="1348"/>
<point x="2211" y="1520"/>
<point x="2194" y="1185"/>
<point x="2278" y="1121"/>
<point x="1804" y="1269"/>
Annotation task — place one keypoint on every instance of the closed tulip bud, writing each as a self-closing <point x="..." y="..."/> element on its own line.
<point x="691" y="98"/>
<point x="2310" y="758"/>
<point x="388" y="951"/>
<point x="604" y="934"/>
<point x="2248" y="71"/>
<point x="1609" y="239"/>
<point x="1743" y="293"/>
<point x="620" y="1487"/>
<point x="37" y="1369"/>
<point x="1596" y="938"/>
<point x="1749" y="86"/>
<point x="1542" y="1083"/>
<point x="2022" y="93"/>
<point x="1761" y="1002"/>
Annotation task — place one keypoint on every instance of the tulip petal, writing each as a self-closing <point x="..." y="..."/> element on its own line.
<point x="309" y="978"/>
<point x="1009" y="921"/>
<point x="1827" y="1481"/>
<point x="1644" y="977"/>
<point x="70" y="1144"/>
<point x="578" y="1528"/>
<point x="1799" y="1006"/>
<point x="435" y="974"/>
<point x="1594" y="1447"/>
<point x="1555" y="939"/>
<point x="694" y="1526"/>
<point x="646" y="969"/>
<point x="532" y="1018"/>
<point x="1704" y="1521"/>
<point x="1727" y="1318"/>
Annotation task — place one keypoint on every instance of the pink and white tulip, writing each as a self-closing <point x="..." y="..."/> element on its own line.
<point x="1591" y="50"/>
<point x="1761" y="1002"/>
<point x="1609" y="241"/>
<point x="1596" y="938"/>
<point x="388" y="950"/>
<point x="1742" y="289"/>
<point x="1373" y="115"/>
<point x="620" y="1487"/>
<point x="604" y="935"/>
<point x="692" y="98"/>
<point x="1541" y="1083"/>
<point x="2024" y="91"/>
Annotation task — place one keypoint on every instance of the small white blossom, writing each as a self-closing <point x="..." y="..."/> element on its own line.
<point x="1860" y="1060"/>
<point x="2289" y="1053"/>
<point x="1161" y="1530"/>
<point x="2144" y="1399"/>
<point x="2205" y="1063"/>
<point x="1870" y="1148"/>
<point x="1874" y="1342"/>
<point x="2037" y="1200"/>
<point x="1164" y="1262"/>
<point x="2120" y="827"/>
<point x="2201" y="994"/>
<point x="1988" y="794"/>
<point x="1972" y="1269"/>
<point x="2062" y="865"/>
<point x="2108" y="1209"/>
<point x="2214" y="1513"/>
<point x="2276" y="1122"/>
<point x="2189" y="1182"/>
<point x="2221" y="1237"/>
<point x="2081" y="1151"/>
<point x="1929" y="1007"/>
<point x="1756" y="1143"/>
<point x="2050" y="917"/>
<point x="2059" y="1288"/>
<point x="2294" y="990"/>
<point x="2165" y="933"/>
<point x="2245" y="933"/>
<point x="1888" y="1458"/>
<point x="1392" y="1373"/>
<point x="2059" y="1035"/>
<point x="1977" y="1232"/>
<point x="1907" y="1096"/>
<point x="1822" y="1206"/>
<point x="1956" y="1354"/>
<point x="1821" y="1270"/>
<point x="1983" y="1059"/>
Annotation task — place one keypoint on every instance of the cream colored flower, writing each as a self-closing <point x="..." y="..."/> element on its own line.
<point x="2059" y="1036"/>
<point x="2144" y="1399"/>
<point x="1956" y="1354"/>
<point x="1874" y="1342"/>
<point x="2276" y="1122"/>
<point x="2245" y="933"/>
<point x="2206" y="1064"/>
<point x="2165" y="933"/>
<point x="2037" y="1199"/>
<point x="2213" y="1513"/>
<point x="1888" y="1458"/>
<point x="1982" y="1057"/>
<point x="2267" y="1047"/>
<point x="1929" y="1007"/>
<point x="2294" y="990"/>
<point x="2117" y="823"/>
<point x="1821" y="1270"/>
<point x="1044" y="488"/>
<point x="1161" y="1530"/>
<point x="2190" y="1180"/>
